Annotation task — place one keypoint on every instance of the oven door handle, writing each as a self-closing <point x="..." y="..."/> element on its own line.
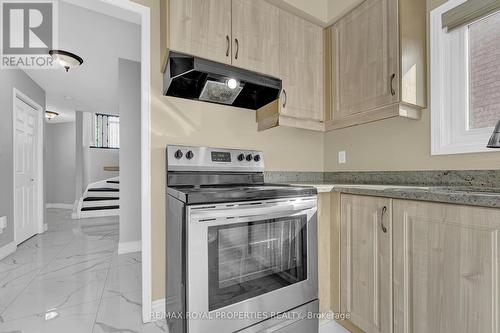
<point x="227" y="216"/>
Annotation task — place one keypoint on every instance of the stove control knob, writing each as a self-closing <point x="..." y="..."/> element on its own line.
<point x="249" y="157"/>
<point x="189" y="155"/>
<point x="178" y="154"/>
<point x="256" y="158"/>
<point x="241" y="157"/>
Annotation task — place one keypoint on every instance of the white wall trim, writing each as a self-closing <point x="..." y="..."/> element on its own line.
<point x="7" y="249"/>
<point x="16" y="93"/>
<point x="129" y="247"/>
<point x="158" y="309"/>
<point x="59" y="206"/>
<point x="450" y="133"/>
<point x="144" y="13"/>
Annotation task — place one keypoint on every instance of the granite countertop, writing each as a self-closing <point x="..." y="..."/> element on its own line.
<point x="464" y="195"/>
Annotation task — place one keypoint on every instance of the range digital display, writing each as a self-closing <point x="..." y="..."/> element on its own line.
<point x="219" y="156"/>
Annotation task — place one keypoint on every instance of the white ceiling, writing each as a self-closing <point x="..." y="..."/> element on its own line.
<point x="100" y="39"/>
<point x="321" y="12"/>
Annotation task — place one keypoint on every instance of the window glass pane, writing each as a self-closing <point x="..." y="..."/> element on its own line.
<point x="106" y="131"/>
<point x="484" y="72"/>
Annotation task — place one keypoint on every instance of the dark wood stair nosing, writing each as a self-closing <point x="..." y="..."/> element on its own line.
<point x="104" y="189"/>
<point x="88" y="199"/>
<point x="90" y="209"/>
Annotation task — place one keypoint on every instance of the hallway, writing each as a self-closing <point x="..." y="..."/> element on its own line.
<point x="71" y="279"/>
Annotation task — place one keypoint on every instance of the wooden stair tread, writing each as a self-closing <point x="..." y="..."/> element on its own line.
<point x="104" y="189"/>
<point x="100" y="198"/>
<point x="86" y="209"/>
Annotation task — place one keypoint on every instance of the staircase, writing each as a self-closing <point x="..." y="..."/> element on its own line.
<point x="100" y="199"/>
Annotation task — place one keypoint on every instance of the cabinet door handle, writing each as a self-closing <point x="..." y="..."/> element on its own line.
<point x="384" y="210"/>
<point x="237" y="48"/>
<point x="228" y="45"/>
<point x="393" y="92"/>
<point x="284" y="98"/>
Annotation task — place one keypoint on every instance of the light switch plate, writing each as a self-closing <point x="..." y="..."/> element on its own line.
<point x="342" y="157"/>
<point x="3" y="223"/>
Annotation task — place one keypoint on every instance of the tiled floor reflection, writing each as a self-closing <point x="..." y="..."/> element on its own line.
<point x="71" y="279"/>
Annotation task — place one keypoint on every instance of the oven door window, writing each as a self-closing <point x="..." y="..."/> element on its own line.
<point x="250" y="259"/>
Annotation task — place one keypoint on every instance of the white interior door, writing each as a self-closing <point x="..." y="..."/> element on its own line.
<point x="25" y="170"/>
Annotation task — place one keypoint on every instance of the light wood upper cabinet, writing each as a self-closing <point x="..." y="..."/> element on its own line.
<point x="301" y="68"/>
<point x="255" y="32"/>
<point x="198" y="27"/>
<point x="366" y="276"/>
<point x="378" y="62"/>
<point x="446" y="268"/>
<point x="242" y="33"/>
<point x="366" y="58"/>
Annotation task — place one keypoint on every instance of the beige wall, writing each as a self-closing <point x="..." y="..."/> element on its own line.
<point x="397" y="144"/>
<point x="177" y="121"/>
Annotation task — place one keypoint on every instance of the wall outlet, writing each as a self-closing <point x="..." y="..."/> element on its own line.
<point x="3" y="223"/>
<point x="342" y="157"/>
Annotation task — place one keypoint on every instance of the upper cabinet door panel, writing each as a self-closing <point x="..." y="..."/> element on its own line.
<point x="201" y="28"/>
<point x="256" y="36"/>
<point x="301" y="67"/>
<point x="365" y="58"/>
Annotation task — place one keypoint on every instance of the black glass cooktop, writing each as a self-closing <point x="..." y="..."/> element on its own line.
<point x="231" y="193"/>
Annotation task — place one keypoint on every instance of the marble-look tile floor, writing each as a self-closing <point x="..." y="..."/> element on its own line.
<point x="71" y="279"/>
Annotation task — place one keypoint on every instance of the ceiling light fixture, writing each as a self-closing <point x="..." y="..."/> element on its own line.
<point x="66" y="59"/>
<point x="51" y="115"/>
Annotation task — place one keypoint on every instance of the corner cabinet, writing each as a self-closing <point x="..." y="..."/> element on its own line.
<point x="378" y="63"/>
<point x="301" y="103"/>
<point x="365" y="265"/>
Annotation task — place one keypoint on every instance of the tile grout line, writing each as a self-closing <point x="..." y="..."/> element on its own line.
<point x="102" y="294"/>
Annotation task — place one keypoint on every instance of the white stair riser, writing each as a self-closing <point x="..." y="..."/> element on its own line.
<point x="102" y="194"/>
<point x="110" y="185"/>
<point x="99" y="213"/>
<point x="101" y="203"/>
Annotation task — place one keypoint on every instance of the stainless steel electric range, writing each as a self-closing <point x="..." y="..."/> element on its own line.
<point x="241" y="254"/>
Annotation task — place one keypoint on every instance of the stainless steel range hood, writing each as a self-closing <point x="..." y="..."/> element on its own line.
<point x="199" y="79"/>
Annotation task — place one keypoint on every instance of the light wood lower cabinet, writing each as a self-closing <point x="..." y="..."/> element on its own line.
<point x="436" y="269"/>
<point x="446" y="268"/>
<point x="366" y="276"/>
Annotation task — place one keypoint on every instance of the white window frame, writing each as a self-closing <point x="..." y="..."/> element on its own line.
<point x="450" y="89"/>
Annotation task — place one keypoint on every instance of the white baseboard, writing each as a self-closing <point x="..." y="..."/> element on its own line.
<point x="129" y="247"/>
<point x="7" y="249"/>
<point x="158" y="308"/>
<point x="59" y="205"/>
<point x="331" y="327"/>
